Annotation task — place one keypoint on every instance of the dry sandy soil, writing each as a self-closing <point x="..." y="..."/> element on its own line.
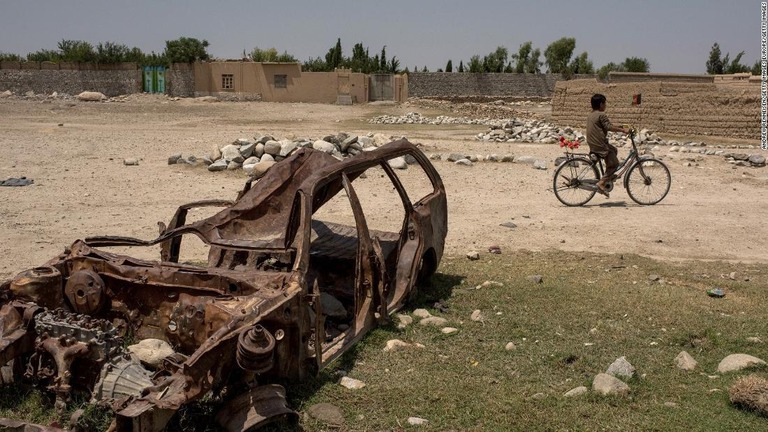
<point x="82" y="188"/>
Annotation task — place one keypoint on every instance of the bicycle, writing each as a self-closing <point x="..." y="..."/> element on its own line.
<point x="647" y="179"/>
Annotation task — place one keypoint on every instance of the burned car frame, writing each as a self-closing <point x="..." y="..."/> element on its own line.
<point x="254" y="315"/>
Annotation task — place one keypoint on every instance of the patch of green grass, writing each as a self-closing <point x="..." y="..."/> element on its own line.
<point x="589" y="310"/>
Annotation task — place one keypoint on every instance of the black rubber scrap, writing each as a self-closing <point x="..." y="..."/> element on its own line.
<point x="23" y="181"/>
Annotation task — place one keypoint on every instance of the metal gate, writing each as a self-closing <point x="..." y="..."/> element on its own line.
<point x="154" y="79"/>
<point x="381" y="87"/>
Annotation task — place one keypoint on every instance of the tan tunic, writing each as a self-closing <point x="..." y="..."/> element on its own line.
<point x="597" y="132"/>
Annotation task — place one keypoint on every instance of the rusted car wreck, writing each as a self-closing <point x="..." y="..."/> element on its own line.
<point x="251" y="317"/>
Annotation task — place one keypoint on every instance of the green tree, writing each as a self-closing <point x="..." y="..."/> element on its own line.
<point x="334" y="57"/>
<point x="135" y="55"/>
<point x="449" y="66"/>
<point x="533" y="65"/>
<point x="475" y="64"/>
<point x="360" y="61"/>
<point x="111" y="53"/>
<point x="461" y="66"/>
<point x="394" y="65"/>
<point x="522" y="57"/>
<point x="558" y="55"/>
<point x="153" y="59"/>
<point x="610" y="67"/>
<point x="186" y="50"/>
<point x="735" y="65"/>
<point x="263" y="55"/>
<point x="44" y="55"/>
<point x="383" y="59"/>
<point x="496" y="61"/>
<point x="715" y="63"/>
<point x="636" y="64"/>
<point x="581" y="64"/>
<point x="757" y="68"/>
<point x="76" y="51"/>
<point x="9" y="57"/>
<point x="425" y="69"/>
<point x="314" y="65"/>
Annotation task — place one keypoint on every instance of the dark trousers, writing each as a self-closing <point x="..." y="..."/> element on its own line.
<point x="611" y="163"/>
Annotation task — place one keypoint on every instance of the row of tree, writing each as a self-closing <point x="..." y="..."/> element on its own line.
<point x="717" y="64"/>
<point x="558" y="58"/>
<point x="181" y="50"/>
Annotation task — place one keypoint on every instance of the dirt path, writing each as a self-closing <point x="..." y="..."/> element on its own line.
<point x="82" y="187"/>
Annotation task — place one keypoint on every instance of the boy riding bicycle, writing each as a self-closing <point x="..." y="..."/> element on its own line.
<point x="598" y="126"/>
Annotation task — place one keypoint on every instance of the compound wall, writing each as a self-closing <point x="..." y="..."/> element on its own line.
<point x="70" y="78"/>
<point x="180" y="80"/>
<point x="680" y="108"/>
<point x="447" y="85"/>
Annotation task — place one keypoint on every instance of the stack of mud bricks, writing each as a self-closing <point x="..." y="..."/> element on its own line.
<point x="673" y="107"/>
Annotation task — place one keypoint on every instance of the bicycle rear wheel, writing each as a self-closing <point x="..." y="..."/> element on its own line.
<point x="648" y="181"/>
<point x="570" y="177"/>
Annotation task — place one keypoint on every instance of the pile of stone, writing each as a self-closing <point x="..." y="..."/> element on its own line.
<point x="86" y="96"/>
<point x="416" y="118"/>
<point x="743" y="159"/>
<point x="498" y="109"/>
<point x="257" y="155"/>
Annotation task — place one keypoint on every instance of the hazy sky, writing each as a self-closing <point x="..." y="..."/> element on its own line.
<point x="675" y="36"/>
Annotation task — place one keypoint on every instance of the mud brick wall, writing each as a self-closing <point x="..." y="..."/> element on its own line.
<point x="71" y="79"/>
<point x="680" y="108"/>
<point x="446" y="85"/>
<point x="180" y="80"/>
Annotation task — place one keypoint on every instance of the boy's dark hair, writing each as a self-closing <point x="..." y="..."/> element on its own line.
<point x="597" y="99"/>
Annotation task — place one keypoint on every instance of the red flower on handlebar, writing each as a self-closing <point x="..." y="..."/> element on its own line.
<point x="570" y="144"/>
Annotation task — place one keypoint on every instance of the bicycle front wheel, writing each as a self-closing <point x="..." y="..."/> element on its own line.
<point x="648" y="181"/>
<point x="570" y="180"/>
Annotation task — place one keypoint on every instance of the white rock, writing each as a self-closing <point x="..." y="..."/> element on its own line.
<point x="323" y="146"/>
<point x="403" y="320"/>
<point x="152" y="351"/>
<point x="253" y="160"/>
<point x="608" y="385"/>
<point x="219" y="165"/>
<point x="684" y="361"/>
<point x="231" y="153"/>
<point x="272" y="147"/>
<point x="398" y="163"/>
<point x="89" y="96"/>
<point x="510" y="346"/>
<point x="578" y="391"/>
<point x="735" y="362"/>
<point x="286" y="147"/>
<point x="351" y="383"/>
<point x="477" y="315"/>
<point x="417" y="421"/>
<point x="395" y="344"/>
<point x="261" y="168"/>
<point x="621" y="368"/>
<point x="434" y="321"/>
<point x="473" y="255"/>
<point x="215" y="153"/>
<point x="449" y="330"/>
<point x="421" y="313"/>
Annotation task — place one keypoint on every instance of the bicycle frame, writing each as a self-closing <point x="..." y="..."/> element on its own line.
<point x="599" y="162"/>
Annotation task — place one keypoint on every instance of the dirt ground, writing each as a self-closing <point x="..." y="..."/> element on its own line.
<point x="74" y="151"/>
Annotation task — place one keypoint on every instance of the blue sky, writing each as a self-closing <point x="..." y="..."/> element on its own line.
<point x="675" y="36"/>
